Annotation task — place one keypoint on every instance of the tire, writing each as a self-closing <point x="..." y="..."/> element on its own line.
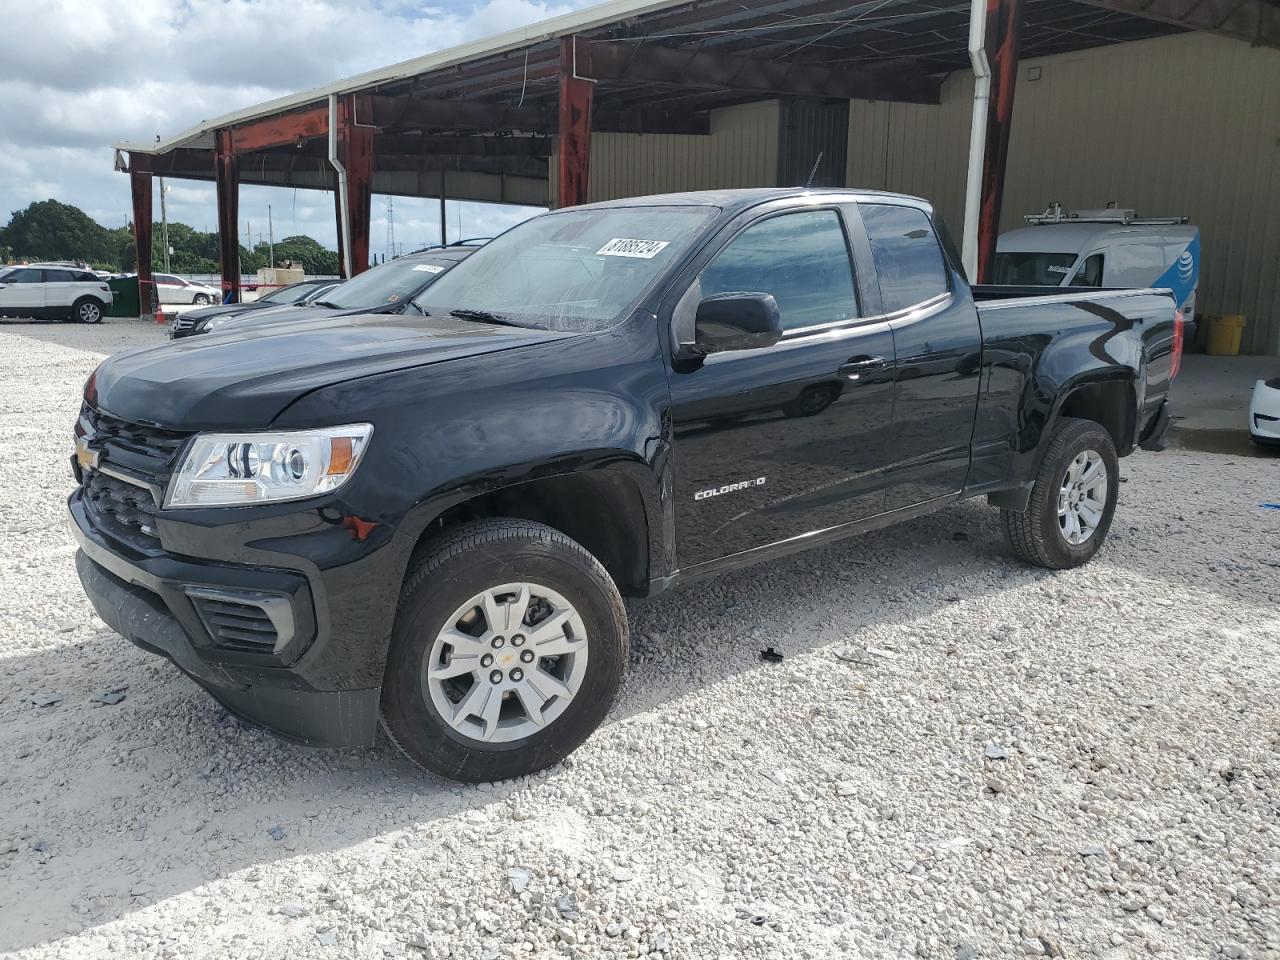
<point x="1041" y="534"/>
<point x="88" y="310"/>
<point x="471" y="561"/>
<point x="200" y="300"/>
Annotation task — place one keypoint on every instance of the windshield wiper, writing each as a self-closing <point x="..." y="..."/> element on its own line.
<point x="484" y="316"/>
<point x="326" y="303"/>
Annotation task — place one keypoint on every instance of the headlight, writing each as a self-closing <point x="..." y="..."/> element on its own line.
<point x="237" y="469"/>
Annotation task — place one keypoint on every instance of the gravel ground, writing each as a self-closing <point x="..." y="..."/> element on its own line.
<point x="958" y="757"/>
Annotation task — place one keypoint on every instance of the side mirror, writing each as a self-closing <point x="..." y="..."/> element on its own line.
<point x="735" y="321"/>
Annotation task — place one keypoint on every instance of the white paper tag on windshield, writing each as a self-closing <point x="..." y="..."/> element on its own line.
<point x="428" y="268"/>
<point x="641" y="249"/>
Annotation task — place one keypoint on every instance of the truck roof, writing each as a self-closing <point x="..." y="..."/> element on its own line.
<point x="733" y="201"/>
<point x="1078" y="237"/>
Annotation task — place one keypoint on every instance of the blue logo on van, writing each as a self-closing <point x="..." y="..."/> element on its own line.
<point x="1184" y="273"/>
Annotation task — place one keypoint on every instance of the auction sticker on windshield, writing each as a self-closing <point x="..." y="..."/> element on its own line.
<point x="642" y="249"/>
<point x="428" y="268"/>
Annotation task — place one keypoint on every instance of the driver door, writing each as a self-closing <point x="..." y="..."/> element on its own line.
<point x="779" y="442"/>
<point x="22" y="289"/>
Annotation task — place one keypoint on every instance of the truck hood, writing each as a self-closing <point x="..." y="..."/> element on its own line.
<point x="246" y="379"/>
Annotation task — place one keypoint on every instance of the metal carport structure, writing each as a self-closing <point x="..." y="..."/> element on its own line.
<point x="510" y="118"/>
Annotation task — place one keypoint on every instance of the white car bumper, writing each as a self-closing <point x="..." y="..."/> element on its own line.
<point x="1264" y="411"/>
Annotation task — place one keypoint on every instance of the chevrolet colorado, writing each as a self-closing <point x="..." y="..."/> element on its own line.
<point x="429" y="519"/>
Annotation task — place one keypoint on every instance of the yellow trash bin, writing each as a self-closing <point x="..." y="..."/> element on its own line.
<point x="1224" y="335"/>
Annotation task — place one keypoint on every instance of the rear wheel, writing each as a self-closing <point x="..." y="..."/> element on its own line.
<point x="87" y="310"/>
<point x="1073" y="500"/>
<point x="507" y="652"/>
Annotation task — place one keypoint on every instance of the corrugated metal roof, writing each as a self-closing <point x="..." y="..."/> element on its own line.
<point x="565" y="25"/>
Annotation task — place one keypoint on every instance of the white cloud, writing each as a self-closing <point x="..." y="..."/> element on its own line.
<point x="78" y="75"/>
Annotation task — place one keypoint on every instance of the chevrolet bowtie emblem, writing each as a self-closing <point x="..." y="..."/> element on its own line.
<point x="87" y="458"/>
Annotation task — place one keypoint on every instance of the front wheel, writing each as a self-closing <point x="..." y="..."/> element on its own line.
<point x="1072" y="501"/>
<point x="87" y="310"/>
<point x="200" y="300"/>
<point x="506" y="654"/>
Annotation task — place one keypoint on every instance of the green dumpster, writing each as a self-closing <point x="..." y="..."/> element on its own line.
<point x="124" y="297"/>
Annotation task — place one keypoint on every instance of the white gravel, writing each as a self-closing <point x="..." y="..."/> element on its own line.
<point x="958" y="757"/>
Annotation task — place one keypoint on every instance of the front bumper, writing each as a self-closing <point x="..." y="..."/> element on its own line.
<point x="1264" y="412"/>
<point x="319" y="688"/>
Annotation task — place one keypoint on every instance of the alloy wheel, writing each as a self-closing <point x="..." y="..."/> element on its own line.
<point x="507" y="662"/>
<point x="1082" y="498"/>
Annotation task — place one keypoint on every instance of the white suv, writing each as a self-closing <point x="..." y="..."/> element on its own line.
<point x="54" y="293"/>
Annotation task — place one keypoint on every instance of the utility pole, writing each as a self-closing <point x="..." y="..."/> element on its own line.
<point x="391" y="231"/>
<point x="444" y="237"/>
<point x="164" y="225"/>
<point x="271" y="239"/>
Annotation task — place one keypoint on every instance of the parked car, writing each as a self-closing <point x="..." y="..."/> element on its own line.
<point x="431" y="518"/>
<point x="190" y="322"/>
<point x="387" y="288"/>
<point x="1264" y="413"/>
<point x="53" y="293"/>
<point x="1102" y="248"/>
<point x="176" y="290"/>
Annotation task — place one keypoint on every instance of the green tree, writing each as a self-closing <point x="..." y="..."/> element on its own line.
<point x="315" y="259"/>
<point x="49" y="230"/>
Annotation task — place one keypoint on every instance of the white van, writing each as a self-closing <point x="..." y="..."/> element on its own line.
<point x="1102" y="248"/>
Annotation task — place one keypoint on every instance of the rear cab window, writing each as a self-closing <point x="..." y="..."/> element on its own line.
<point x="908" y="258"/>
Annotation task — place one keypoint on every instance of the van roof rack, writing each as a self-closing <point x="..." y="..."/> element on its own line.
<point x="1054" y="213"/>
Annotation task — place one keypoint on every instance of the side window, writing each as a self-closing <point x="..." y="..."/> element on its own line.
<point x="166" y="279"/>
<point x="1089" y="274"/>
<point x="800" y="258"/>
<point x="24" y="275"/>
<point x="58" y="276"/>
<point x="82" y="277"/>
<point x="905" y="249"/>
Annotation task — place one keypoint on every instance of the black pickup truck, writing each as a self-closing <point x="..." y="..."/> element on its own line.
<point x="431" y="518"/>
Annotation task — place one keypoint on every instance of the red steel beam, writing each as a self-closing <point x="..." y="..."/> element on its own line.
<point x="283" y="130"/>
<point x="1004" y="28"/>
<point x="227" y="177"/>
<point x="140" y="185"/>
<point x="355" y="152"/>
<point x="573" y="130"/>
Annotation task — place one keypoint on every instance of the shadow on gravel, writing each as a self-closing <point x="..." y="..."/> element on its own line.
<point x="176" y="793"/>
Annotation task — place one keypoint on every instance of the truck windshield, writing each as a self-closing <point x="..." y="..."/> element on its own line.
<point x="1032" y="269"/>
<point x="574" y="270"/>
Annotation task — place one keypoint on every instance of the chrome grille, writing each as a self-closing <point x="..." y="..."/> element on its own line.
<point x="146" y="451"/>
<point x="125" y="511"/>
<point x="181" y="324"/>
<point x="134" y="464"/>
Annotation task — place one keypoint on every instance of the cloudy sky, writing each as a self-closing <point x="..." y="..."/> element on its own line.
<point x="79" y="75"/>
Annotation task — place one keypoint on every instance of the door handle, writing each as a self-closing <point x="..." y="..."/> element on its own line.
<point x="855" y="367"/>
